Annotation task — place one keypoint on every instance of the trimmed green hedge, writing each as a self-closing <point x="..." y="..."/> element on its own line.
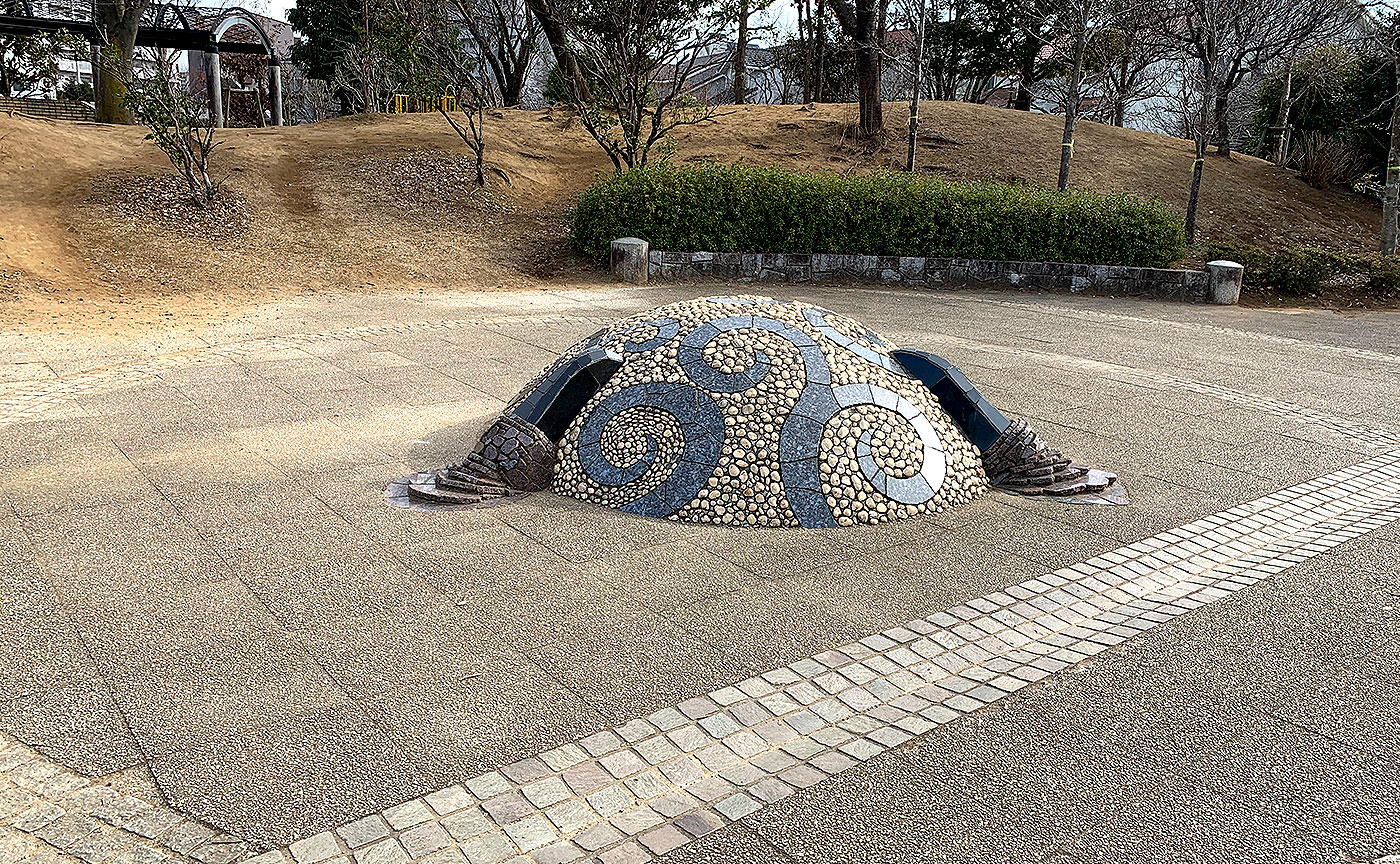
<point x="736" y="208"/>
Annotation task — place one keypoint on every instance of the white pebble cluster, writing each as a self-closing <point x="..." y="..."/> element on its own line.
<point x="746" y="485"/>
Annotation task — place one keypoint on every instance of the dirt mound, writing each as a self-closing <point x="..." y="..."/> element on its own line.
<point x="366" y="202"/>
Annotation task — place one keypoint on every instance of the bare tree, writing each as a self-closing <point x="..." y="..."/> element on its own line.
<point x="812" y="42"/>
<point x="1232" y="39"/>
<point x="1228" y="40"/>
<point x="1133" y="53"/>
<point x="744" y="11"/>
<point x="639" y="57"/>
<point x="159" y="100"/>
<point x="551" y="21"/>
<point x="1090" y="35"/>
<point x="1059" y="33"/>
<point x="506" y="33"/>
<point x="1079" y="15"/>
<point x="465" y="112"/>
<point x="921" y="28"/>
<point x="445" y="74"/>
<point x="364" y="75"/>
<point x="741" y="56"/>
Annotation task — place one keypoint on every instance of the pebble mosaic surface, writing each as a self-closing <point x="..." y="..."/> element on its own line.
<point x="748" y="410"/>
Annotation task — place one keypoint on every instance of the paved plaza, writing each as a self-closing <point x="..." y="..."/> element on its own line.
<point x="219" y="641"/>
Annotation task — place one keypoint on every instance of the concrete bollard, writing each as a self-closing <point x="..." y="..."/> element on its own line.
<point x="630" y="259"/>
<point x="1225" y="279"/>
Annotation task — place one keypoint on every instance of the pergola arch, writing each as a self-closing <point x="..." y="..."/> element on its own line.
<point x="173" y="26"/>
<point x="217" y="27"/>
<point x="235" y="15"/>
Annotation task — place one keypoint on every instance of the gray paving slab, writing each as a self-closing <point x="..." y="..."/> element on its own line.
<point x="671" y="574"/>
<point x="1170" y="748"/>
<point x="288" y="653"/>
<point x="289" y="776"/>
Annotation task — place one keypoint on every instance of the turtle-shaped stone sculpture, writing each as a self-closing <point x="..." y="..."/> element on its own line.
<point x="753" y="411"/>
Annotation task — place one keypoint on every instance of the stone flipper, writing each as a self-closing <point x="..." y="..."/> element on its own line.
<point x="517" y="453"/>
<point x="1014" y="457"/>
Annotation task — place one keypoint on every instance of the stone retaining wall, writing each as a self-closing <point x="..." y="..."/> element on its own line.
<point x="1188" y="285"/>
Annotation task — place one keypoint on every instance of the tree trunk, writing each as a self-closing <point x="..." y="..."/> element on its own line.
<point x="569" y="69"/>
<point x="119" y="22"/>
<point x="1198" y="167"/>
<point x="1222" y="124"/>
<point x="863" y="29"/>
<point x="1076" y="81"/>
<point x="1120" y="96"/>
<point x="515" y="85"/>
<point x="804" y="39"/>
<point x="741" y="56"/>
<point x="821" y="49"/>
<point x="1285" y="105"/>
<point x="366" y="85"/>
<point x="918" y="86"/>
<point x="1389" y="206"/>
<point x="1025" y="87"/>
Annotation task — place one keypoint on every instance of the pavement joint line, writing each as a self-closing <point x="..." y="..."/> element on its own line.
<point x="1196" y="326"/>
<point x="28" y="400"/>
<point x="24" y="400"/>
<point x="637" y="791"/>
<point x="1357" y="433"/>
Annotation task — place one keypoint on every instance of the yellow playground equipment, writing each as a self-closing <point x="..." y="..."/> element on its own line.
<point x="405" y="103"/>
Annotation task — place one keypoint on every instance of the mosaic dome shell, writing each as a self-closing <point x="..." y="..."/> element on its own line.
<point x="754" y="411"/>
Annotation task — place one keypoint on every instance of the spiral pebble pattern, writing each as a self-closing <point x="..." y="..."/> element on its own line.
<point x="745" y="410"/>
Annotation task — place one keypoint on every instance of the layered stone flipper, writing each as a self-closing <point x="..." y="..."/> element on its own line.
<point x="1021" y="462"/>
<point x="513" y="457"/>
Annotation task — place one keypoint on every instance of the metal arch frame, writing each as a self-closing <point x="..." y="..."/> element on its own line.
<point x="239" y="15"/>
<point x="156" y="33"/>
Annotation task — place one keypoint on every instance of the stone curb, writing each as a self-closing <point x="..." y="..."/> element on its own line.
<point x="1196" y="286"/>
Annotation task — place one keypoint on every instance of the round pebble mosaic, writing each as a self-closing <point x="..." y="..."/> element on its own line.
<point x="752" y="411"/>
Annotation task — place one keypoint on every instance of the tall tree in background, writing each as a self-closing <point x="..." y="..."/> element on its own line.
<point x="863" y="22"/>
<point x="813" y="48"/>
<point x="118" y="21"/>
<point x="963" y="53"/>
<point x="1131" y="50"/>
<point x="812" y="52"/>
<point x="506" y="33"/>
<point x="1227" y="40"/>
<point x="1028" y="26"/>
<point x="639" y="57"/>
<point x="551" y="21"/>
<point x="328" y="29"/>
<point x="1234" y="39"/>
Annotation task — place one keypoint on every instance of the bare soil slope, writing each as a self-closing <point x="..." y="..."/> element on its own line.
<point x="90" y="228"/>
